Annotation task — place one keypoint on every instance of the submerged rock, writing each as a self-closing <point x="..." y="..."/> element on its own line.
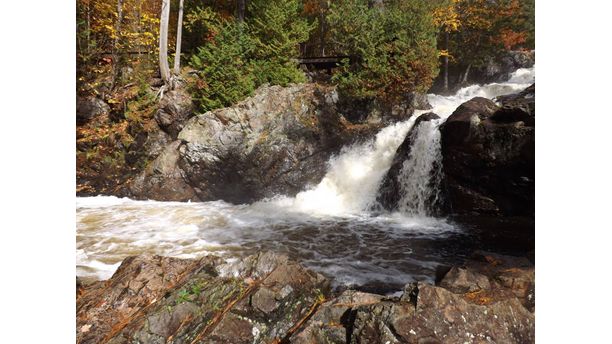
<point x="267" y="298"/>
<point x="489" y="156"/>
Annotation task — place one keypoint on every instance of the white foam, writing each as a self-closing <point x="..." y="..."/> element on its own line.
<point x="312" y="226"/>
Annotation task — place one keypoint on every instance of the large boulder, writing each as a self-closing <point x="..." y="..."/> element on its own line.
<point x="488" y="157"/>
<point x="389" y="193"/>
<point x="275" y="142"/>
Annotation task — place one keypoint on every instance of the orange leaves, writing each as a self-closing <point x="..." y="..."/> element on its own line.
<point x="510" y="38"/>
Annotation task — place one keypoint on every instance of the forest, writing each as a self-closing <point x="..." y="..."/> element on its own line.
<point x="223" y="50"/>
<point x="305" y="171"/>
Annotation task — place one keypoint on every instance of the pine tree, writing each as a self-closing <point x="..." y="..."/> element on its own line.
<point x="277" y="30"/>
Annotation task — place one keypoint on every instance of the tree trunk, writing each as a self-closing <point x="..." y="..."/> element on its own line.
<point x="240" y="9"/>
<point x="116" y="65"/>
<point x="465" y="76"/>
<point x="446" y="61"/>
<point x="322" y="30"/>
<point x="164" y="68"/>
<point x="179" y="33"/>
<point x="139" y="19"/>
<point x="88" y="34"/>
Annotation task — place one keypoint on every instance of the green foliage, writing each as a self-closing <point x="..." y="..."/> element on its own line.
<point x="277" y="29"/>
<point x="238" y="57"/>
<point x="201" y="24"/>
<point x="223" y="69"/>
<point x="394" y="47"/>
<point x="276" y="73"/>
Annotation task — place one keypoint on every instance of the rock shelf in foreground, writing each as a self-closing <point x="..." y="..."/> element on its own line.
<point x="267" y="298"/>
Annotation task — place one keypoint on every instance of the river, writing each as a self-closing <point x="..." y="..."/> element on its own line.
<point x="333" y="228"/>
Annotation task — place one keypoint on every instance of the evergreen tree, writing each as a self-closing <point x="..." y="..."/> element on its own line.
<point x="224" y="75"/>
<point x="393" y="47"/>
<point x="277" y="30"/>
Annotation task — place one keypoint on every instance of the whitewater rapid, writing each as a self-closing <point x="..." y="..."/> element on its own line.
<point x="329" y="227"/>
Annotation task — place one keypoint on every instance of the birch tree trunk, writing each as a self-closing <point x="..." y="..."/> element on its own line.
<point x="116" y="58"/>
<point x="465" y="76"/>
<point x="179" y="33"/>
<point x="164" y="68"/>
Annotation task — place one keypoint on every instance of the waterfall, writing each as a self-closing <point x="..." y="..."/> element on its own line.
<point x="421" y="174"/>
<point x="354" y="176"/>
<point x="329" y="227"/>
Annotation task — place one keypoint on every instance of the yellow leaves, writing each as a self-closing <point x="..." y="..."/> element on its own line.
<point x="447" y="18"/>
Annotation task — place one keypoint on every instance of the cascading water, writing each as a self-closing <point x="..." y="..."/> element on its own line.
<point x="421" y="173"/>
<point x="328" y="228"/>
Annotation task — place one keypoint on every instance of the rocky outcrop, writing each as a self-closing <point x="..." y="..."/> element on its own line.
<point x="276" y="142"/>
<point x="164" y="178"/>
<point x="489" y="156"/>
<point x="389" y="193"/>
<point x="90" y="107"/>
<point x="267" y="298"/>
<point x="175" y="108"/>
<point x="161" y="300"/>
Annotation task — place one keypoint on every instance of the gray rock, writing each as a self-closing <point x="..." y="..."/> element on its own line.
<point x="90" y="107"/>
<point x="176" y="107"/>
<point x="276" y="142"/>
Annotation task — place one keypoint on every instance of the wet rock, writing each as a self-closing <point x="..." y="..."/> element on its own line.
<point x="333" y="321"/>
<point x="488" y="160"/>
<point x="389" y="194"/>
<point x="90" y="107"/>
<point x="517" y="108"/>
<point x="163" y="178"/>
<point x="105" y="307"/>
